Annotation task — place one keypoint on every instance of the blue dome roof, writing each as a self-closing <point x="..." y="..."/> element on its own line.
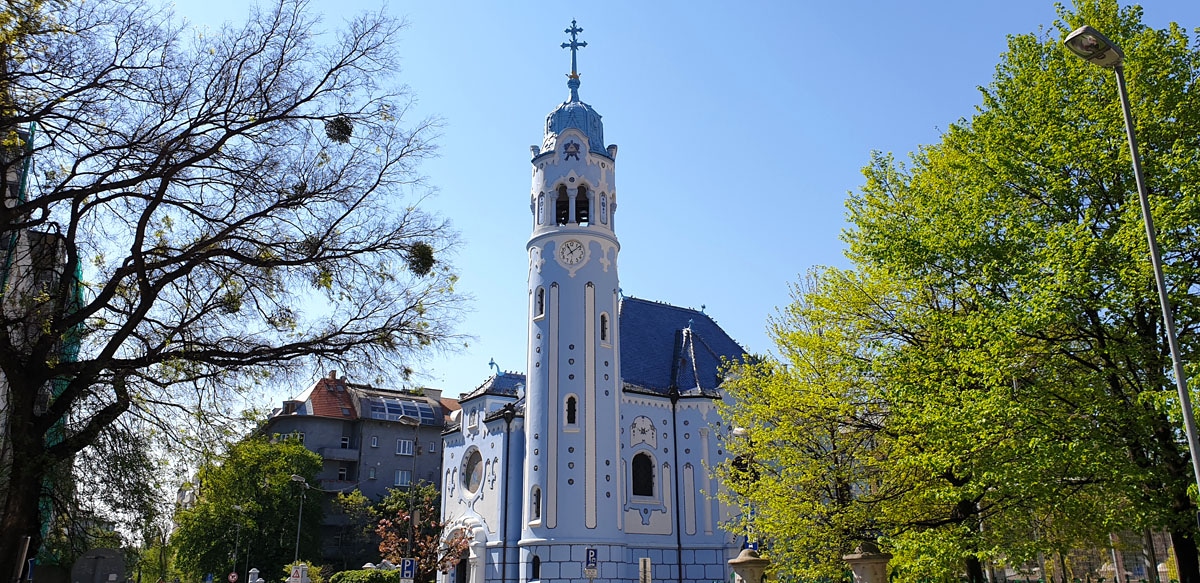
<point x="576" y="114"/>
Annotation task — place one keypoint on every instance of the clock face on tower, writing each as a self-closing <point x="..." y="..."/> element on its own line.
<point x="572" y="252"/>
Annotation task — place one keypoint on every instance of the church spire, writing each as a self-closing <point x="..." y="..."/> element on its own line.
<point x="574" y="45"/>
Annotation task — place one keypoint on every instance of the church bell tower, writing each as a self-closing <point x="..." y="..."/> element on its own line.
<point x="572" y="453"/>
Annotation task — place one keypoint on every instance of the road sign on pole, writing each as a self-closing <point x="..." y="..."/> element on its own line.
<point x="408" y="570"/>
<point x="590" y="564"/>
<point x="299" y="574"/>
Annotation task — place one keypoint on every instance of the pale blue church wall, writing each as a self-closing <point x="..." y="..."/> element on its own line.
<point x="479" y="514"/>
<point x="659" y="527"/>
<point x="502" y="550"/>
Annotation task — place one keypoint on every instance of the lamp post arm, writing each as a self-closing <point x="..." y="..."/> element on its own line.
<point x="1185" y="401"/>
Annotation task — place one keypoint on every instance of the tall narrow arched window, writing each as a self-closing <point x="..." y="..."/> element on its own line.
<point x="643" y="475"/>
<point x="535" y="568"/>
<point x="562" y="206"/>
<point x="604" y="209"/>
<point x="535" y="504"/>
<point x="571" y="406"/>
<point x="541" y="208"/>
<point x="604" y="327"/>
<point x="539" y="302"/>
<point x="582" y="211"/>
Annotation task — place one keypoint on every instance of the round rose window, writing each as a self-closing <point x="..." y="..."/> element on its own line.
<point x="472" y="473"/>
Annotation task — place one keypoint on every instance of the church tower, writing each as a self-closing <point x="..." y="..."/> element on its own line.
<point x="572" y="451"/>
<point x="593" y="464"/>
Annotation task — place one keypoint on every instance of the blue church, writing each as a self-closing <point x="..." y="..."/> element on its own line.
<point x="594" y="464"/>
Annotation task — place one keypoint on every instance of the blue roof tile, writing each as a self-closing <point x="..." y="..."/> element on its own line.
<point x="664" y="346"/>
<point x="505" y="384"/>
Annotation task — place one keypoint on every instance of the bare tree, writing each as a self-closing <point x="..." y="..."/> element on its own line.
<point x="187" y="215"/>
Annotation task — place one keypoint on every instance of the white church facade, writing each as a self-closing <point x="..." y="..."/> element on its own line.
<point x="594" y="464"/>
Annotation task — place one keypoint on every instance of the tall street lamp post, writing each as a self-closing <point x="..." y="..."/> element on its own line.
<point x="237" y="537"/>
<point x="415" y="423"/>
<point x="299" y="516"/>
<point x="1095" y="48"/>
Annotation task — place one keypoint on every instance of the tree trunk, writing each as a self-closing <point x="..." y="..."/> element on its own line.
<point x="1186" y="559"/>
<point x="975" y="570"/>
<point x="21" y="516"/>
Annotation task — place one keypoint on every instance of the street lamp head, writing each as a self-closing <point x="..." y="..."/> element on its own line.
<point x="1095" y="48"/>
<point x="299" y="478"/>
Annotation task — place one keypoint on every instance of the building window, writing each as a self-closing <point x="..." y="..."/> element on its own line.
<point x="604" y="327"/>
<point x="298" y="436"/>
<point x="541" y="207"/>
<point x="535" y="568"/>
<point x="343" y="474"/>
<point x="345" y="442"/>
<point x="472" y="471"/>
<point x="570" y="409"/>
<point x="643" y="475"/>
<point x="562" y="206"/>
<point x="539" y="302"/>
<point x="582" y="215"/>
<point x="374" y="441"/>
<point x="370" y="473"/>
<point x="433" y="446"/>
<point x="404" y="447"/>
<point x="535" y="504"/>
<point x="604" y="209"/>
<point x="403" y="477"/>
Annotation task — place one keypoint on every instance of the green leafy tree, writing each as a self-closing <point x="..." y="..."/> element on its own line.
<point x="991" y="379"/>
<point x="205" y="212"/>
<point x="356" y="525"/>
<point x="248" y="498"/>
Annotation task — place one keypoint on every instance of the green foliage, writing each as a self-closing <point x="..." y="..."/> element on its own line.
<point x="316" y="573"/>
<point x="355" y="519"/>
<point x="255" y="476"/>
<point x="420" y="258"/>
<point x="990" y="380"/>
<point x="366" y="576"/>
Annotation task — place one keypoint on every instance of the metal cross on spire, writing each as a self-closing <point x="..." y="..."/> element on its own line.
<point x="574" y="45"/>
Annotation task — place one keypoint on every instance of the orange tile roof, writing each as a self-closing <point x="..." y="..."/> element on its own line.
<point x="330" y="398"/>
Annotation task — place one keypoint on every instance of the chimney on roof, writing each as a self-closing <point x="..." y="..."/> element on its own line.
<point x="435" y="394"/>
<point x="333" y="374"/>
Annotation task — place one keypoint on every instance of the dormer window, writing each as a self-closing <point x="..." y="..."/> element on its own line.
<point x="582" y="215"/>
<point x="562" y="206"/>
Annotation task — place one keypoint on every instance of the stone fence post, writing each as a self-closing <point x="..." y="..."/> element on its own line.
<point x="868" y="563"/>
<point x="748" y="566"/>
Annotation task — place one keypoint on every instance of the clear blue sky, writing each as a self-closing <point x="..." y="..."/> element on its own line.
<point x="741" y="127"/>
